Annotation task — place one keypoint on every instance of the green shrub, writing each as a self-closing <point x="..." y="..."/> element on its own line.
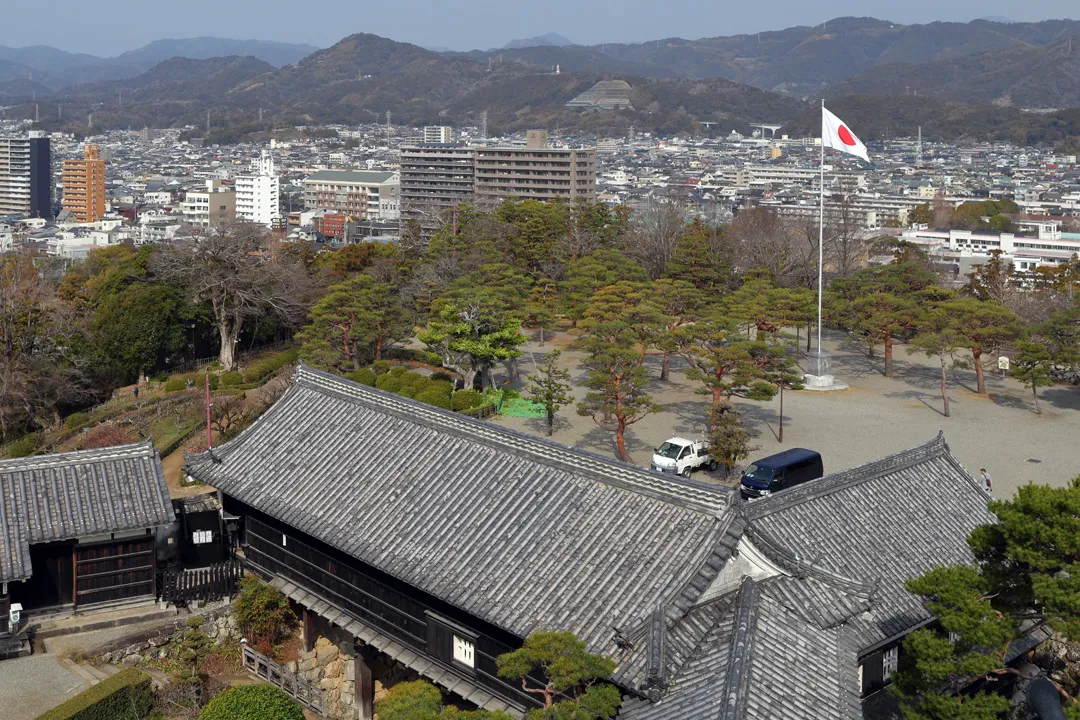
<point x="511" y="394"/>
<point x="175" y="385"/>
<point x="77" y="420"/>
<point x="466" y="399"/>
<point x="24" y="446"/>
<point x="252" y="702"/>
<point x="159" y="378"/>
<point x="443" y="376"/>
<point x="380" y="367"/>
<point x="388" y="382"/>
<point x="398" y="370"/>
<point x="408" y="700"/>
<point x="262" y="612"/>
<point x="437" y="394"/>
<point x="127" y="694"/>
<point x="364" y="376"/>
<point x="230" y="378"/>
<point x="268" y="366"/>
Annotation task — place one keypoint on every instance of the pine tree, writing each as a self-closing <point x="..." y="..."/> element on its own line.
<point x="1031" y="366"/>
<point x="550" y="386"/>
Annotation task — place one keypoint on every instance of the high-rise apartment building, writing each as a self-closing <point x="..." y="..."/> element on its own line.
<point x="84" y="186"/>
<point x="358" y="194"/>
<point x="535" y="172"/>
<point x="26" y="176"/>
<point x="435" y="177"/>
<point x="438" y="134"/>
<point x="257" y="193"/>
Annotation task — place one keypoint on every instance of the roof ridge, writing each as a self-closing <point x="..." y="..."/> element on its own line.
<point x="799" y="565"/>
<point x="847" y="478"/>
<point x="742" y="651"/>
<point x="144" y="448"/>
<point x="686" y="493"/>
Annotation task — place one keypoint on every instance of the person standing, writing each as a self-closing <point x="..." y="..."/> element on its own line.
<point x="986" y="479"/>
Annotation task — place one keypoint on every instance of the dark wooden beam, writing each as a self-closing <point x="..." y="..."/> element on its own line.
<point x="309" y="630"/>
<point x="365" y="682"/>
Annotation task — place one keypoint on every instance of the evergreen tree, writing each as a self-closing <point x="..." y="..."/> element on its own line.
<point x="550" y="386"/>
<point x="1031" y="366"/>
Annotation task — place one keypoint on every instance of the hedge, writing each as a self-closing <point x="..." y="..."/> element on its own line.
<point x="268" y="366"/>
<point x="467" y="399"/>
<point x="364" y="376"/>
<point x="175" y="385"/>
<point x="128" y="694"/>
<point x="24" y="446"/>
<point x="230" y="378"/>
<point x="76" y="421"/>
<point x="252" y="702"/>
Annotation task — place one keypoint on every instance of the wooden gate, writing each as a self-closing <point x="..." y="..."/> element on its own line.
<point x="115" y="570"/>
<point x="298" y="686"/>
<point x="209" y="584"/>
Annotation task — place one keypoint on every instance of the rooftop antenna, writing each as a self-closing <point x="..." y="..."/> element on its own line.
<point x="208" y="121"/>
<point x="387" y="129"/>
<point x="119" y="97"/>
<point x="60" y="112"/>
<point x="260" y="114"/>
<point x="631" y="134"/>
<point x="37" y="114"/>
<point x="483" y="125"/>
<point x="90" y="121"/>
<point x="918" y="151"/>
<point x="489" y="64"/>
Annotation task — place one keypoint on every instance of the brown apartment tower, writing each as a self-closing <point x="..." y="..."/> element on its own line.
<point x="84" y="186"/>
<point x="536" y="172"/>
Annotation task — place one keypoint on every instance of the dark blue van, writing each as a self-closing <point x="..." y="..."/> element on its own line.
<point x="780" y="472"/>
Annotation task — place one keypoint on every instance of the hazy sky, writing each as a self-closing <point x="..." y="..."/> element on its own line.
<point x="109" y="27"/>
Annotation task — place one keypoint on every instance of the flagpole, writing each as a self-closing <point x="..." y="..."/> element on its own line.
<point x="821" y="232"/>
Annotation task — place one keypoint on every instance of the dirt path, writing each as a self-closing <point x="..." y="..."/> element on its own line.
<point x="172" y="465"/>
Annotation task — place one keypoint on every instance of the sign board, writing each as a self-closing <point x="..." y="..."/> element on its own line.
<point x="1003" y="363"/>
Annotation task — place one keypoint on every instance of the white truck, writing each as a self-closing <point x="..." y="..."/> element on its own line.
<point x="682" y="456"/>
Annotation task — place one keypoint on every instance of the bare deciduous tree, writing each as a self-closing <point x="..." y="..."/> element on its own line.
<point x="655" y="230"/>
<point x="231" y="271"/>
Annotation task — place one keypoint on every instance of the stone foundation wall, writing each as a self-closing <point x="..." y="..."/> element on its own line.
<point x="219" y="625"/>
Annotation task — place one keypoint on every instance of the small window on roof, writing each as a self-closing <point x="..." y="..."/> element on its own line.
<point x="464" y="652"/>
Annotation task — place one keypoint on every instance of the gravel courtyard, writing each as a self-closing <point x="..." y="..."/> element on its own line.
<point x="876" y="416"/>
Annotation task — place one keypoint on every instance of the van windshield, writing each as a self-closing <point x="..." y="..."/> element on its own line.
<point x="668" y="450"/>
<point x="758" y="477"/>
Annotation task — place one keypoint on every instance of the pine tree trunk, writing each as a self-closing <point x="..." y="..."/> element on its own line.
<point x="551" y="423"/>
<point x="620" y="441"/>
<point x="227" y="354"/>
<point x="665" y="367"/>
<point x="944" y="386"/>
<point x="809" y="333"/>
<point x="1035" y="394"/>
<point x="980" y="379"/>
<point x="888" y="355"/>
<point x="541" y="336"/>
<point x="378" y="347"/>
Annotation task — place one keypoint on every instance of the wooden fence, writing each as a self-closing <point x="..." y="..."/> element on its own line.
<point x="306" y="692"/>
<point x="180" y="587"/>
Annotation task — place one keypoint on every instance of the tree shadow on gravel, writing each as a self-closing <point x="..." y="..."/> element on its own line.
<point x="925" y="398"/>
<point x="1065" y="398"/>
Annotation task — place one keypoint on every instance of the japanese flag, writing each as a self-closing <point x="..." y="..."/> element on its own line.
<point x="835" y="134"/>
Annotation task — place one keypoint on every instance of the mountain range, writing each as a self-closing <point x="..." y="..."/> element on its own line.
<point x="954" y="79"/>
<point x="56" y="69"/>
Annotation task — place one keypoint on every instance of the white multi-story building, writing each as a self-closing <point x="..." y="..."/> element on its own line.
<point x="438" y="134"/>
<point x="358" y="194"/>
<point x="1042" y="244"/>
<point x="257" y="194"/>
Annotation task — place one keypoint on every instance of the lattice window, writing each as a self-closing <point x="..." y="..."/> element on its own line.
<point x="464" y="652"/>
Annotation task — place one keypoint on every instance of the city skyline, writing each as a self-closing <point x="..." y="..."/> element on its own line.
<point x="476" y="24"/>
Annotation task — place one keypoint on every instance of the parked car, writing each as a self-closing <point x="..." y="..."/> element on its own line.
<point x="682" y="456"/>
<point x="780" y="472"/>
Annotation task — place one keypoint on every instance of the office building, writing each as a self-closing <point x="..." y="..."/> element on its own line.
<point x="435" y="177"/>
<point x="26" y="176"/>
<point x="84" y="186"/>
<point x="438" y="134"/>
<point x="358" y="194"/>
<point x="534" y="172"/>
<point x="210" y="208"/>
<point x="257" y="193"/>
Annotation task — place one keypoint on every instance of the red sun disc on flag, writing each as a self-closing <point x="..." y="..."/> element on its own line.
<point x="846" y="137"/>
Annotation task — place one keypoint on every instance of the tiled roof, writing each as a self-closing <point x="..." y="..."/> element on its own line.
<point x="519" y="531"/>
<point x="878" y="525"/>
<point x="350" y="176"/>
<point x="47" y="498"/>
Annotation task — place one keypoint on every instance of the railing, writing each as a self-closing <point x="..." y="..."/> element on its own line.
<point x="181" y="587"/>
<point x="298" y="686"/>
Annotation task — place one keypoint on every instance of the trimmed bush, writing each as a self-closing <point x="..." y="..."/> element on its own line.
<point x="77" y="420"/>
<point x="467" y="399"/>
<point x="408" y="700"/>
<point x="127" y="694"/>
<point x="440" y="376"/>
<point x="268" y="366"/>
<point x="252" y="702"/>
<point x="388" y="382"/>
<point x="175" y="385"/>
<point x="511" y="394"/>
<point x="24" y="446"/>
<point x="380" y="367"/>
<point x="437" y="394"/>
<point x="364" y="376"/>
<point x="230" y="378"/>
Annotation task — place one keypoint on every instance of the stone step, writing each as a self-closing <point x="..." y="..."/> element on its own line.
<point x="81" y="670"/>
<point x="97" y="672"/>
<point x="109" y="669"/>
<point x="77" y="624"/>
